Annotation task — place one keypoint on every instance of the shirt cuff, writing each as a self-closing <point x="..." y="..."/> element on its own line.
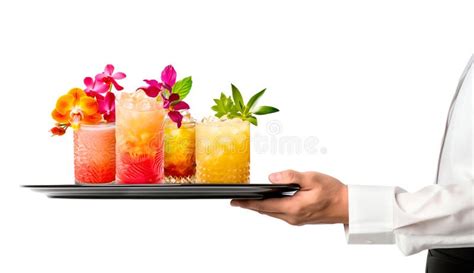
<point x="370" y="215"/>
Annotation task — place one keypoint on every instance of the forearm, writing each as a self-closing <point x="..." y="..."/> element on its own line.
<point x="434" y="217"/>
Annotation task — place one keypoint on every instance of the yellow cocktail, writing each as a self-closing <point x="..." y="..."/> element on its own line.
<point x="223" y="151"/>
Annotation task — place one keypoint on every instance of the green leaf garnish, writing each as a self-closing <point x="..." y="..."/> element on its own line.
<point x="237" y="96"/>
<point x="182" y="87"/>
<point x="234" y="106"/>
<point x="252" y="120"/>
<point x="265" y="110"/>
<point x="253" y="100"/>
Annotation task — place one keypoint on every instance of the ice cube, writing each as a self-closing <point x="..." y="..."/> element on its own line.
<point x="125" y="100"/>
<point x="234" y="130"/>
<point x="139" y="101"/>
<point x="144" y="105"/>
<point x="209" y="119"/>
<point x="140" y="95"/>
<point x="187" y="116"/>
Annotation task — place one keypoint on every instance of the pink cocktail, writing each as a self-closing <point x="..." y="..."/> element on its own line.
<point x="140" y="139"/>
<point x="94" y="154"/>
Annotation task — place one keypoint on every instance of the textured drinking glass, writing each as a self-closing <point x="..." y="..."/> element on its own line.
<point x="223" y="151"/>
<point x="94" y="154"/>
<point x="139" y="133"/>
<point x="180" y="163"/>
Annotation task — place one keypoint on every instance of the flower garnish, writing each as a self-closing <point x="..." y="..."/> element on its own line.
<point x="171" y="92"/>
<point x="168" y="77"/>
<point x="59" y="129"/>
<point x="95" y="87"/>
<point x="153" y="89"/>
<point x="168" y="81"/>
<point x="174" y="106"/>
<point x="76" y="107"/>
<point x="234" y="107"/>
<point x="107" y="106"/>
<point x="109" y="78"/>
<point x="94" y="104"/>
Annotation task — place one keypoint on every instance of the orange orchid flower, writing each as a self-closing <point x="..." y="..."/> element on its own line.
<point x="76" y="107"/>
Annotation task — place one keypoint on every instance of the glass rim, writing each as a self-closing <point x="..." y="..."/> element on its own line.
<point x="158" y="105"/>
<point x="97" y="125"/>
<point x="222" y="122"/>
<point x="187" y="124"/>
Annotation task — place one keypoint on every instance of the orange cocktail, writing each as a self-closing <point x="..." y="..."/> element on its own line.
<point x="139" y="133"/>
<point x="94" y="154"/>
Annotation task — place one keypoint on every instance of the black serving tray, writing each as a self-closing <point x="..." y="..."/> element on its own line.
<point x="167" y="191"/>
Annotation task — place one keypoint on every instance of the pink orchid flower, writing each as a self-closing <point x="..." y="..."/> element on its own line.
<point x="153" y="89"/>
<point x="168" y="78"/>
<point x="94" y="87"/>
<point x="107" y="106"/>
<point x="174" y="105"/>
<point x="109" y="78"/>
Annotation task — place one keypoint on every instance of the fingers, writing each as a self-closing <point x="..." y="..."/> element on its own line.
<point x="285" y="217"/>
<point x="290" y="219"/>
<point x="274" y="205"/>
<point x="280" y="216"/>
<point x="288" y="176"/>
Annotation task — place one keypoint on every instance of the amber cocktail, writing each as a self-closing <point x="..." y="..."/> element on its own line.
<point x="180" y="163"/>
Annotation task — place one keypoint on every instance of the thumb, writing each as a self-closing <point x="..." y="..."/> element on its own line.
<point x="284" y="177"/>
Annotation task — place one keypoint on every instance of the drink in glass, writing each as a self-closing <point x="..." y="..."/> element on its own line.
<point x="223" y="151"/>
<point x="94" y="154"/>
<point x="180" y="164"/>
<point x="139" y="133"/>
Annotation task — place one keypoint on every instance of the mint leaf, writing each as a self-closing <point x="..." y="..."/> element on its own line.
<point x="182" y="87"/>
<point x="264" y="110"/>
<point x="219" y="114"/>
<point x="239" y="101"/>
<point x="233" y="115"/>
<point x="253" y="100"/>
<point x="219" y="107"/>
<point x="234" y="107"/>
<point x="252" y="120"/>
<point x="229" y="105"/>
<point x="224" y="106"/>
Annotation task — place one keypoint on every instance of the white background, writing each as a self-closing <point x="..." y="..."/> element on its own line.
<point x="371" y="80"/>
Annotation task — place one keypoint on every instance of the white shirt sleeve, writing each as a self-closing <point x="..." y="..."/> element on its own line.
<point x="437" y="216"/>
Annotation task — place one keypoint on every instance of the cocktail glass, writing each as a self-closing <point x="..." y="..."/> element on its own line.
<point x="94" y="154"/>
<point x="139" y="133"/>
<point x="223" y="151"/>
<point x="180" y="163"/>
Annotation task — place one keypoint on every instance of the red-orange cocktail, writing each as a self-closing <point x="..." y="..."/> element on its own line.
<point x="94" y="154"/>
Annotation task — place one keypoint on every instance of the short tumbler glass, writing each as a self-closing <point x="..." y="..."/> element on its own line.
<point x="94" y="154"/>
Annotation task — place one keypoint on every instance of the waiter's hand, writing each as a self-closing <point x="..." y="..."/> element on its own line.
<point x="322" y="199"/>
